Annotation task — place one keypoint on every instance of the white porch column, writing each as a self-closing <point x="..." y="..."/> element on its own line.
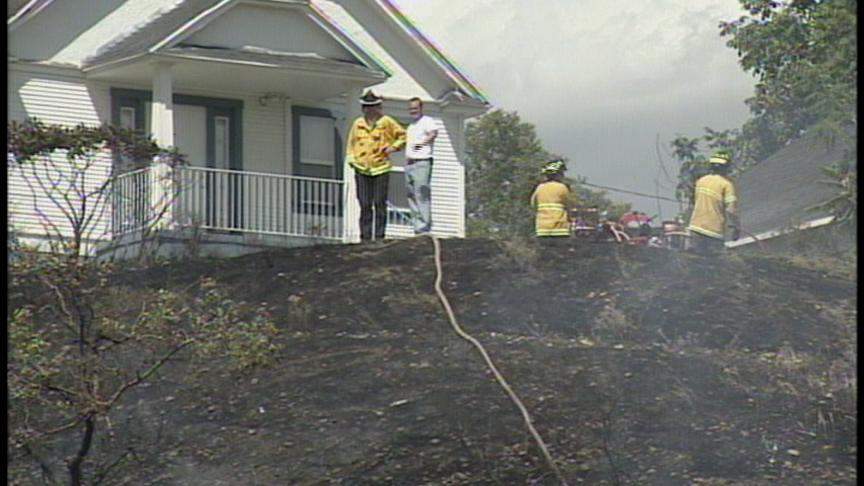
<point x="351" y="218"/>
<point x="162" y="116"/>
<point x="162" y="112"/>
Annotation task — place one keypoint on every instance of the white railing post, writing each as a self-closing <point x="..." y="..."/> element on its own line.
<point x="162" y="195"/>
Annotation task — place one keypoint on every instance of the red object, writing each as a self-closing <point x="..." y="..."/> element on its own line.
<point x="634" y="219"/>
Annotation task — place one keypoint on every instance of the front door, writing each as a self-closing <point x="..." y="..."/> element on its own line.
<point x="206" y="135"/>
<point x="208" y="132"/>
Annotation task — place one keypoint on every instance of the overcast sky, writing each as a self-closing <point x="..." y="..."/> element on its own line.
<point x="599" y="79"/>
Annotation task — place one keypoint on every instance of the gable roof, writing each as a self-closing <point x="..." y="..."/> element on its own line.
<point x="188" y="16"/>
<point x="777" y="193"/>
<point x="352" y="16"/>
<point x="139" y="41"/>
<point x="425" y="42"/>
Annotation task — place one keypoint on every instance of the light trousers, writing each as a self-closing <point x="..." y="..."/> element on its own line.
<point x="418" y="177"/>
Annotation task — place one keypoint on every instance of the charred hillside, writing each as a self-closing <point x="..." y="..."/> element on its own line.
<point x="639" y="366"/>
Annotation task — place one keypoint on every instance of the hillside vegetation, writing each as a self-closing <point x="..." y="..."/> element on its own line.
<point x="638" y="365"/>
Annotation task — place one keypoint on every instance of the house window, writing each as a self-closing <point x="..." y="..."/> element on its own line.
<point x="317" y="150"/>
<point x="127" y="117"/>
<point x="221" y="142"/>
<point x="317" y="145"/>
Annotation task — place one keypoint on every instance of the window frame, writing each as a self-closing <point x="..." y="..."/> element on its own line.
<point x="297" y="113"/>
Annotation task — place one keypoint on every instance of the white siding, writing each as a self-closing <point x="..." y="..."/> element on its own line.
<point x="62" y="98"/>
<point x="265" y="135"/>
<point x="448" y="184"/>
<point x="264" y="150"/>
<point x="269" y="27"/>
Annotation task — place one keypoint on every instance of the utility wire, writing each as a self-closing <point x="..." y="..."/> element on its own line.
<point x="628" y="192"/>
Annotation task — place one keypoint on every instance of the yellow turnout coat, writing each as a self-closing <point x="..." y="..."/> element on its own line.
<point x="550" y="199"/>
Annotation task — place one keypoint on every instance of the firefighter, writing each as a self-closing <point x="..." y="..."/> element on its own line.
<point x="551" y="199"/>
<point x="373" y="138"/>
<point x="714" y="205"/>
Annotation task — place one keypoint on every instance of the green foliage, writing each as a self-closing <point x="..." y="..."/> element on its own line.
<point x="78" y="344"/>
<point x="693" y="165"/>
<point x="582" y="196"/>
<point x="844" y="204"/>
<point x="71" y="189"/>
<point x="505" y="157"/>
<point x="32" y="139"/>
<point x="804" y="54"/>
<point x="249" y="341"/>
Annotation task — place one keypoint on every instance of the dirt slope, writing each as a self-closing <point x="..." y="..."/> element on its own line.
<point x="640" y="366"/>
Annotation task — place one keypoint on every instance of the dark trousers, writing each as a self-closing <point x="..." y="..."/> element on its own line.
<point x="372" y="195"/>
<point x="706" y="245"/>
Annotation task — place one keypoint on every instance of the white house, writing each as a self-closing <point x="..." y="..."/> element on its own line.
<point x="258" y="94"/>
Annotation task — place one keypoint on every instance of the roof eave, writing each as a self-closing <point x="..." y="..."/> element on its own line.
<point x="767" y="235"/>
<point x="299" y="65"/>
<point x="427" y="46"/>
<point x="346" y="41"/>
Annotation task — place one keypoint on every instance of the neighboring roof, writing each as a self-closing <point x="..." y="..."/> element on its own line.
<point x="777" y="192"/>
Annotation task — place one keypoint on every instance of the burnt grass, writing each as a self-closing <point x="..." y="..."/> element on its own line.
<point x="639" y="366"/>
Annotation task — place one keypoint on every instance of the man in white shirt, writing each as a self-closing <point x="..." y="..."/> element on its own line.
<point x="418" y="166"/>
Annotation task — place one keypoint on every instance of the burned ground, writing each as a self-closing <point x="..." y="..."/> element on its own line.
<point x="639" y="366"/>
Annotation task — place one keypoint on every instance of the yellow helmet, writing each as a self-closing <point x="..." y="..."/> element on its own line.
<point x="720" y="158"/>
<point x="554" y="167"/>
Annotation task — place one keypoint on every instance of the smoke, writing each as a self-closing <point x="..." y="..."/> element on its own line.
<point x="599" y="79"/>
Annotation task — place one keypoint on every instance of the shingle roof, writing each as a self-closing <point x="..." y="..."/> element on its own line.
<point x="779" y="190"/>
<point x="142" y="39"/>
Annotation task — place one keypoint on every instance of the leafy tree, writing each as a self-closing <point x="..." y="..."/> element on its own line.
<point x="844" y="203"/>
<point x="581" y="196"/>
<point x="78" y="345"/>
<point x="505" y="157"/>
<point x="693" y="165"/>
<point x="804" y="54"/>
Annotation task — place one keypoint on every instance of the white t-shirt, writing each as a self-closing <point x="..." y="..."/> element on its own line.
<point x="418" y="130"/>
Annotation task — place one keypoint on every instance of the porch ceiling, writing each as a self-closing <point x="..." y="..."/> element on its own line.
<point x="295" y="75"/>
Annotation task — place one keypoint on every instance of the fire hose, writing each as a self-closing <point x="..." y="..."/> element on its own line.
<point x="498" y="377"/>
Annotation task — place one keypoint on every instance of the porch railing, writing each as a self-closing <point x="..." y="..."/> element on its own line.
<point x="131" y="208"/>
<point x="238" y="202"/>
<point x="253" y="202"/>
